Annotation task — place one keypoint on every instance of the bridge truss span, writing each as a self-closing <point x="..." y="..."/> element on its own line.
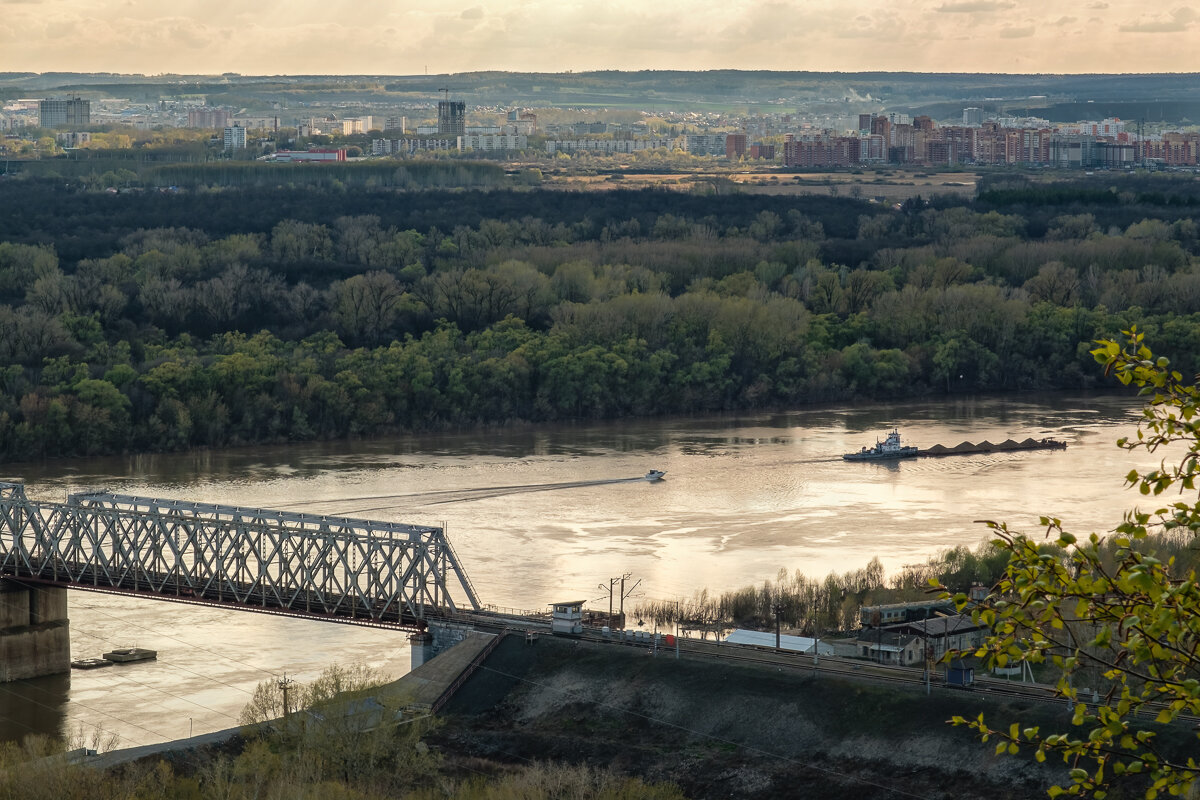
<point x="342" y="568"/>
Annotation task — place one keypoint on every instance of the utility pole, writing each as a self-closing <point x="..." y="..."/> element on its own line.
<point x="624" y="593"/>
<point x="611" y="587"/>
<point x="777" y="609"/>
<point x="285" y="684"/>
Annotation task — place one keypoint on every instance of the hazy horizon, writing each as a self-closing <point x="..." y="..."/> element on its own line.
<point x="153" y="37"/>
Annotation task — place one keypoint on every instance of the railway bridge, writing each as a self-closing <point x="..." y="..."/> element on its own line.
<point x="333" y="568"/>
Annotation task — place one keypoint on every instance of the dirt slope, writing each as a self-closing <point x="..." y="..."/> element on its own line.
<point x="720" y="730"/>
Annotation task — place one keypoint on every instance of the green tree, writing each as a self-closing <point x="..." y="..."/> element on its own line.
<point x="1117" y="610"/>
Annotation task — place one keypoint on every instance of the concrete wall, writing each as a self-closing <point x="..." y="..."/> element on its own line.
<point x="33" y="652"/>
<point x="35" y="635"/>
<point x="14" y="606"/>
<point x="47" y="604"/>
<point x="446" y="636"/>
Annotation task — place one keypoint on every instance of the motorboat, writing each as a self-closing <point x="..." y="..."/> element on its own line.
<point x="887" y="449"/>
<point x="655" y="475"/>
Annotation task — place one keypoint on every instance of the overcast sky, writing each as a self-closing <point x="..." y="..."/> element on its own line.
<point x="405" y="37"/>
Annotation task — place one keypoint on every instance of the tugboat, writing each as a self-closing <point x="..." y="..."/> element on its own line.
<point x="887" y="449"/>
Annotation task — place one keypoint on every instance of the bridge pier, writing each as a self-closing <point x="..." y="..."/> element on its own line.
<point x="439" y="637"/>
<point x="35" y="634"/>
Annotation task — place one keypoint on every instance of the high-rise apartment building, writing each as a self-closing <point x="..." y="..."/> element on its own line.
<point x="71" y="113"/>
<point x="735" y="145"/>
<point x="764" y="151"/>
<point x="235" y="138"/>
<point x="207" y="117"/>
<point x="972" y="116"/>
<point x="452" y="118"/>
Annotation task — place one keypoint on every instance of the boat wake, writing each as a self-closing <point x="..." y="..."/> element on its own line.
<point x="446" y="496"/>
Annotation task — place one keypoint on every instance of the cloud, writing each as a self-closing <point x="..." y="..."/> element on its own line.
<point x="974" y="6"/>
<point x="1098" y="5"/>
<point x="475" y="12"/>
<point x="1016" y="33"/>
<point x="1065" y="20"/>
<point x="1180" y="19"/>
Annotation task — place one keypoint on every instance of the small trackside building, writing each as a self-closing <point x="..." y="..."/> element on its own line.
<point x="567" y="617"/>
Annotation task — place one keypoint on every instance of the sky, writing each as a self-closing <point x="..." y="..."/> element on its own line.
<point x="403" y="37"/>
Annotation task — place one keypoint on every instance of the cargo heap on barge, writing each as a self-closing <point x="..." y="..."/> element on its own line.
<point x="890" y="448"/>
<point x="970" y="448"/>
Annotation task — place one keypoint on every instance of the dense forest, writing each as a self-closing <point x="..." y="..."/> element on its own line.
<point x="206" y="317"/>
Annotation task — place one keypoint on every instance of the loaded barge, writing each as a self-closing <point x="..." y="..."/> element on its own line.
<point x="1008" y="445"/>
<point x="891" y="448"/>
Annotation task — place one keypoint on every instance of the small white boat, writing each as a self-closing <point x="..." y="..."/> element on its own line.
<point x="655" y="475"/>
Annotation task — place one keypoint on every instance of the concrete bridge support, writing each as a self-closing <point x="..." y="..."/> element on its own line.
<point x="35" y="634"/>
<point x="439" y="637"/>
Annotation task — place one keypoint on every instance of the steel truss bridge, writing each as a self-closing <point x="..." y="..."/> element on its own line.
<point x="334" y="568"/>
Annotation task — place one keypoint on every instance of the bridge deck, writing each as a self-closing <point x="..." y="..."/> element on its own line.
<point x="336" y="568"/>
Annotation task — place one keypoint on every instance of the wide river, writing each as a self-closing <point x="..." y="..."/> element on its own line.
<point x="546" y="514"/>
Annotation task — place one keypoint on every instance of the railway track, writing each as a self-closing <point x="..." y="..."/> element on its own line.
<point x="854" y="669"/>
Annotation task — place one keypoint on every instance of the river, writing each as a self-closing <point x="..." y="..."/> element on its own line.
<point x="550" y="513"/>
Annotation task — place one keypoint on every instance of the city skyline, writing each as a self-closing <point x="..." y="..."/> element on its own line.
<point x="305" y="37"/>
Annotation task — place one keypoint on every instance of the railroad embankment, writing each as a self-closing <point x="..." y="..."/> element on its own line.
<point x="721" y="730"/>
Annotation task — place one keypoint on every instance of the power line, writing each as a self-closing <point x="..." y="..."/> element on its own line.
<point x="94" y="710"/>
<point x="171" y="694"/>
<point x="126" y="621"/>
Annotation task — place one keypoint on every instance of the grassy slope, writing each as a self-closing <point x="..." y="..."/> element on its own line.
<point x="723" y="730"/>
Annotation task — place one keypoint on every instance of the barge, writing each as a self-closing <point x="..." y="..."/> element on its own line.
<point x="1008" y="445"/>
<point x="891" y="448"/>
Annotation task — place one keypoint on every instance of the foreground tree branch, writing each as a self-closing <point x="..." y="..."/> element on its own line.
<point x="1135" y="619"/>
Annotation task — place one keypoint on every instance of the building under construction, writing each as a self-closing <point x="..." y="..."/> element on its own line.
<point x="452" y="118"/>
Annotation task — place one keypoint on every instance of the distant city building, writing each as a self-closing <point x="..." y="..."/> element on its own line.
<point x="521" y="122"/>
<point x="841" y="151"/>
<point x="763" y="151"/>
<point x="71" y="113"/>
<point x="407" y="147"/>
<point x="317" y="156"/>
<point x="489" y="142"/>
<point x="1173" y="149"/>
<point x="427" y="130"/>
<point x="452" y="118"/>
<point x="882" y="126"/>
<point x="257" y="123"/>
<point x="208" y="118"/>
<point x="606" y="146"/>
<point x="235" y="138"/>
<point x="396" y="124"/>
<point x="587" y="128"/>
<point x="864" y="122"/>
<point x="702" y="144"/>
<point x="73" y="138"/>
<point x="972" y="116"/>
<point x="735" y="145"/>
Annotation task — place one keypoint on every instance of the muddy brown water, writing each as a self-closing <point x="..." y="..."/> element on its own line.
<point x="551" y="513"/>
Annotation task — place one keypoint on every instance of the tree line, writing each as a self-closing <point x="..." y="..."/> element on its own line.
<point x="310" y="326"/>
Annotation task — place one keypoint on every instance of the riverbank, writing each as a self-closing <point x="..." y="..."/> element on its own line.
<point x="701" y="728"/>
<point x="721" y="730"/>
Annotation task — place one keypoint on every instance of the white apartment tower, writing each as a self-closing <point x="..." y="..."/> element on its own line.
<point x="235" y="138"/>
